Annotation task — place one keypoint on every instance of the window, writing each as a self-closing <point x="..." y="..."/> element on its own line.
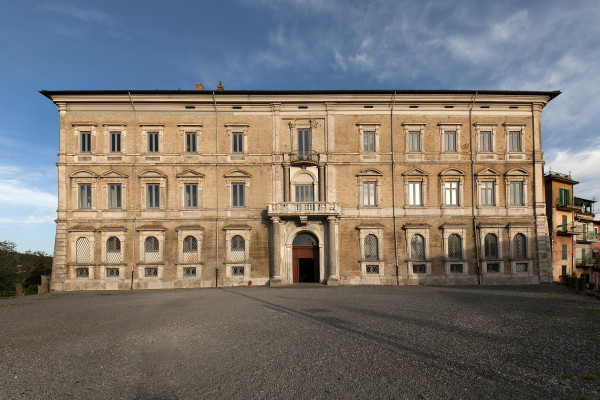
<point x="414" y="141"/>
<point x="190" y="142"/>
<point x="113" y="250"/>
<point x="417" y="248"/>
<point x="369" y="141"/>
<point x="565" y="197"/>
<point x="151" y="250"/>
<point x="114" y="196"/>
<point x="191" y="195"/>
<point x="238" y="248"/>
<point x="83" y="251"/>
<point x="153" y="197"/>
<point x="369" y="192"/>
<point x="189" y="271"/>
<point x="520" y="246"/>
<point x="493" y="267"/>
<point x="237" y="142"/>
<point x="485" y="141"/>
<point x="414" y="193"/>
<point x="85" y="195"/>
<point x="419" y="268"/>
<point x="237" y="271"/>
<point x="456" y="268"/>
<point x="115" y="141"/>
<point x="304" y="144"/>
<point x="190" y="249"/>
<point x="305" y="193"/>
<point x="237" y="195"/>
<point x="449" y="140"/>
<point x="455" y="247"/>
<point x="514" y="138"/>
<point x="372" y="269"/>
<point x="86" y="141"/>
<point x="564" y="251"/>
<point x="516" y="194"/>
<point x="491" y="246"/>
<point x="82" y="272"/>
<point x="371" y="247"/>
<point x="451" y="193"/>
<point x="488" y="197"/>
<point x="151" y="272"/>
<point x="564" y="223"/>
<point x="112" y="272"/>
<point x="152" y="142"/>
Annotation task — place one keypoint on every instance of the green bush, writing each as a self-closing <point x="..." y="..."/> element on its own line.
<point x="8" y="293"/>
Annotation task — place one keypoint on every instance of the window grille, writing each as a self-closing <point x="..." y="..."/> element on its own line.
<point x="493" y="267"/>
<point x="519" y="246"/>
<point x="455" y="247"/>
<point x="113" y="250"/>
<point x="371" y="248"/>
<point x="417" y="248"/>
<point x="237" y="271"/>
<point x="82" y="251"/>
<point x="521" y="267"/>
<point x="456" y="268"/>
<point x="491" y="246"/>
<point x="189" y="271"/>
<point x="238" y="248"/>
<point x="419" y="268"/>
<point x="372" y="269"/>
<point x="190" y="249"/>
<point x="112" y="272"/>
<point x="151" y="272"/>
<point x="151" y="250"/>
<point x="82" y="272"/>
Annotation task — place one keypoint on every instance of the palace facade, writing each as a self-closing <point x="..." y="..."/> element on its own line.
<point x="198" y="188"/>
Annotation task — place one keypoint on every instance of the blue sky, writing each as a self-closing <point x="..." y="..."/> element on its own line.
<point x="286" y="44"/>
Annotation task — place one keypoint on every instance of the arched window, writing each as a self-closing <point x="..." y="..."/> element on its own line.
<point x="371" y="248"/>
<point x="190" y="249"/>
<point x="151" y="253"/>
<point x="238" y="248"/>
<point x="113" y="250"/>
<point x="520" y="246"/>
<point x="491" y="246"/>
<point x="83" y="254"/>
<point x="455" y="247"/>
<point x="417" y="248"/>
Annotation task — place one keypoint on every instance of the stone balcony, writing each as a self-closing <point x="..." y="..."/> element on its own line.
<point x="295" y="209"/>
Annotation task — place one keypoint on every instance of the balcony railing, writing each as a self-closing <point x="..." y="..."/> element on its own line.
<point x="566" y="204"/>
<point x="589" y="261"/>
<point x="566" y="230"/>
<point x="304" y="157"/>
<point x="586" y="236"/>
<point x="295" y="208"/>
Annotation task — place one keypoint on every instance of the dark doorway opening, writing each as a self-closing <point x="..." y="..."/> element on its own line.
<point x="306" y="270"/>
<point x="305" y="257"/>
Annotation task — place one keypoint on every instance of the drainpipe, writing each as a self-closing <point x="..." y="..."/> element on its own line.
<point x="217" y="190"/>
<point x="394" y="189"/>
<point x="135" y="181"/>
<point x="535" y="221"/>
<point x="473" y="190"/>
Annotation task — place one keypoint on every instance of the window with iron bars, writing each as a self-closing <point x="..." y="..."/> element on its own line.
<point x="417" y="248"/>
<point x="371" y="247"/>
<point x="491" y="246"/>
<point x="455" y="247"/>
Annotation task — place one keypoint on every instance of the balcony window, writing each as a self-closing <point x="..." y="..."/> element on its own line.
<point x="304" y="146"/>
<point x="305" y="193"/>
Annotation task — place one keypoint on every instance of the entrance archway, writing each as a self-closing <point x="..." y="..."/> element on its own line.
<point x="305" y="258"/>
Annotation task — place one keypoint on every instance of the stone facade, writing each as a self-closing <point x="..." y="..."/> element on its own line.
<point x="191" y="188"/>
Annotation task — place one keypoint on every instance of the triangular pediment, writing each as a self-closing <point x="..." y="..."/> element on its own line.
<point x="488" y="172"/>
<point x="237" y="173"/>
<point x="151" y="173"/>
<point x="188" y="173"/>
<point x="113" y="174"/>
<point x="452" y="172"/>
<point x="82" y="173"/>
<point x="415" y="172"/>
<point x="369" y="172"/>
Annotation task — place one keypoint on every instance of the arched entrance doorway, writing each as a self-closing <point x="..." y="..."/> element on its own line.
<point x="305" y="258"/>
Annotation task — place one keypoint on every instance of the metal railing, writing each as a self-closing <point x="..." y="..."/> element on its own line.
<point x="587" y="261"/>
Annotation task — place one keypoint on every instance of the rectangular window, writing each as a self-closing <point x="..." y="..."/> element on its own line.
<point x="493" y="267"/>
<point x="565" y="197"/>
<point x="369" y="192"/>
<point x="451" y="193"/>
<point x="238" y="142"/>
<point x="564" y="251"/>
<point x="115" y="141"/>
<point x="516" y="194"/>
<point x="304" y="144"/>
<point x="85" y="196"/>
<point x="564" y="223"/>
<point x="190" y="142"/>
<point x="456" y="268"/>
<point x="372" y="269"/>
<point x="237" y="195"/>
<point x="514" y="138"/>
<point x="86" y="141"/>
<point x="487" y="194"/>
<point x="414" y="141"/>
<point x="414" y="194"/>
<point x="305" y="193"/>
<point x="152" y="142"/>
<point x="114" y="196"/>
<point x="449" y="140"/>
<point x="485" y="141"/>
<point x="369" y="142"/>
<point x="191" y="195"/>
<point x="153" y="200"/>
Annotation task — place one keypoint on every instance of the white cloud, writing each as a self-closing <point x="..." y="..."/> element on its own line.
<point x="82" y="14"/>
<point x="21" y="188"/>
<point x="582" y="165"/>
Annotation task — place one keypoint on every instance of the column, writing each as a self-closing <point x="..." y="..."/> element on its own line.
<point x="321" y="182"/>
<point x="334" y="274"/>
<point x="276" y="279"/>
<point x="286" y="182"/>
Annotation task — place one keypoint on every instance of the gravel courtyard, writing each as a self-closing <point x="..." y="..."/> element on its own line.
<point x="302" y="342"/>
